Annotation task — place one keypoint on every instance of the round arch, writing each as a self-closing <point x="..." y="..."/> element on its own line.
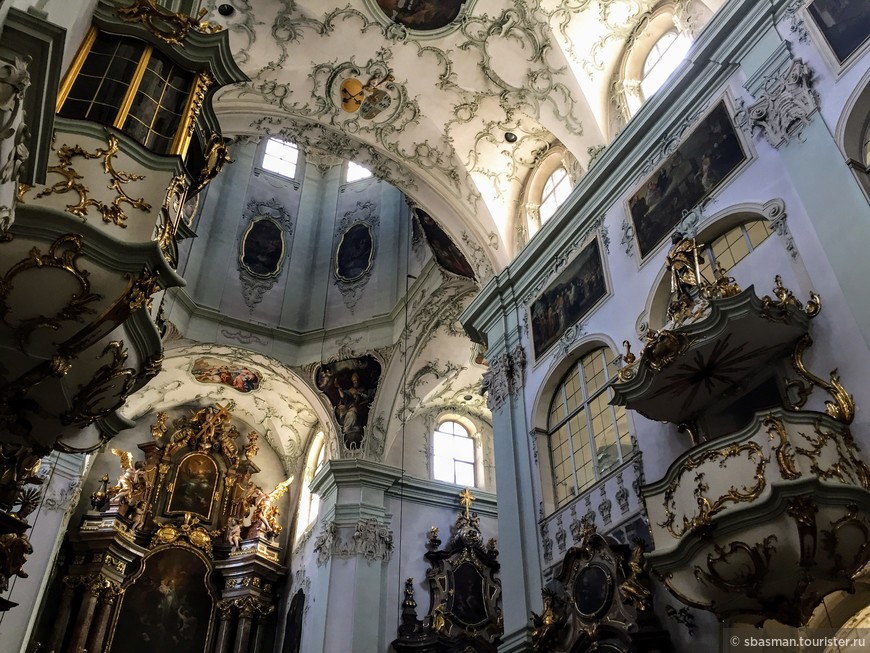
<point x="853" y="132"/>
<point x="655" y="311"/>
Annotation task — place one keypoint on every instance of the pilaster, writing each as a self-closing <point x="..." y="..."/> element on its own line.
<point x="354" y="543"/>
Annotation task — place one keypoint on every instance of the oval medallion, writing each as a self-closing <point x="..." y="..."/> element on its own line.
<point x="263" y="248"/>
<point x="353" y="258"/>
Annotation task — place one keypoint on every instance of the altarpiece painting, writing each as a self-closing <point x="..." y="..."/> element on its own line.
<point x="168" y="607"/>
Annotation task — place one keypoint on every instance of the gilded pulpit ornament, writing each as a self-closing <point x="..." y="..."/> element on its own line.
<point x="169" y="26"/>
<point x="683" y="261"/>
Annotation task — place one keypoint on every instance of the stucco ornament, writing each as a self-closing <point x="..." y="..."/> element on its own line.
<point x="784" y="105"/>
<point x="505" y="377"/>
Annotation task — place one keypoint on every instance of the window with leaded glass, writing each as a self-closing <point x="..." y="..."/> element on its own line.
<point x="588" y="437"/>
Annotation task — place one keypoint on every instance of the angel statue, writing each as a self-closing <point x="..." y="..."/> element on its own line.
<point x="131" y="481"/>
<point x="266" y="512"/>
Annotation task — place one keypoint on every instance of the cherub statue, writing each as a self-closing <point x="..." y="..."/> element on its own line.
<point x="140" y="514"/>
<point x="234" y="533"/>
<point x="131" y="482"/>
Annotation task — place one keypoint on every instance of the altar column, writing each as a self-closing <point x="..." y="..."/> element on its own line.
<point x="63" y="613"/>
<point x="85" y="616"/>
<point x="97" y="638"/>
<point x="225" y="630"/>
<point x="246" y="608"/>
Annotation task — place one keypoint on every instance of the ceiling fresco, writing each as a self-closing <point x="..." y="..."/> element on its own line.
<point x="424" y="92"/>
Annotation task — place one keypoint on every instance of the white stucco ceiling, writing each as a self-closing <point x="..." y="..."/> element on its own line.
<point x="541" y="70"/>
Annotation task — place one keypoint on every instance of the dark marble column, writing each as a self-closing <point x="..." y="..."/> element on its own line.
<point x="61" y="619"/>
<point x="225" y="630"/>
<point x="85" y="615"/>
<point x="260" y="632"/>
<point x="246" y="606"/>
<point x="97" y="637"/>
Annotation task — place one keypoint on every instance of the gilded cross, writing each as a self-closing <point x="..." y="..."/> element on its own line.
<point x="465" y="500"/>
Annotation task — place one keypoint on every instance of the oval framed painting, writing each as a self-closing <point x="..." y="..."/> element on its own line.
<point x="355" y="252"/>
<point x="262" y="250"/>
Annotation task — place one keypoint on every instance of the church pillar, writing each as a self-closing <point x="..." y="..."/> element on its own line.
<point x="353" y="545"/>
<point x="225" y="630"/>
<point x="85" y="616"/>
<point x="61" y="621"/>
<point x="498" y="325"/>
<point x="97" y="637"/>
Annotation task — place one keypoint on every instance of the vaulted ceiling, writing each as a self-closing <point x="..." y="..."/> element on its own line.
<point x="446" y="80"/>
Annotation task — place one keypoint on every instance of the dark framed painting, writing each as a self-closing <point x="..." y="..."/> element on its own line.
<point x="568" y="298"/>
<point x="593" y="591"/>
<point x="263" y="248"/>
<point x="168" y="608"/>
<point x="216" y="370"/>
<point x="423" y="15"/>
<point x="350" y="386"/>
<point x="845" y="24"/>
<point x="467" y="602"/>
<point x="355" y="252"/>
<point x="194" y="486"/>
<point x="698" y="167"/>
<point x="446" y="254"/>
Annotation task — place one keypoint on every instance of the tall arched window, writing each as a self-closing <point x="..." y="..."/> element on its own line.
<point x="453" y="451"/>
<point x="662" y="59"/>
<point x="556" y="190"/>
<point x="309" y="503"/>
<point x="588" y="437"/>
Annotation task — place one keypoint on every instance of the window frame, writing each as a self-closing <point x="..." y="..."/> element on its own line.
<point x="472" y="435"/>
<point x="608" y="360"/>
<point x="265" y="154"/>
<point x="553" y="192"/>
<point x="184" y="131"/>
<point x="347" y="170"/>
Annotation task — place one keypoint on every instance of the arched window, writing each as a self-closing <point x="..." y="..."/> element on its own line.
<point x="356" y="172"/>
<point x="733" y="246"/>
<point x="556" y="190"/>
<point x="588" y="437"/>
<point x="662" y="59"/>
<point x="453" y="451"/>
<point x="280" y="157"/>
<point x="309" y="503"/>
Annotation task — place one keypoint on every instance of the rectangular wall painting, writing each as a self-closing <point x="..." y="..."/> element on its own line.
<point x="568" y="298"/>
<point x="845" y="24"/>
<point x="704" y="159"/>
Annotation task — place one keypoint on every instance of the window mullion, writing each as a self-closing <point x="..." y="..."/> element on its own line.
<point x="138" y="74"/>
<point x="567" y="424"/>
